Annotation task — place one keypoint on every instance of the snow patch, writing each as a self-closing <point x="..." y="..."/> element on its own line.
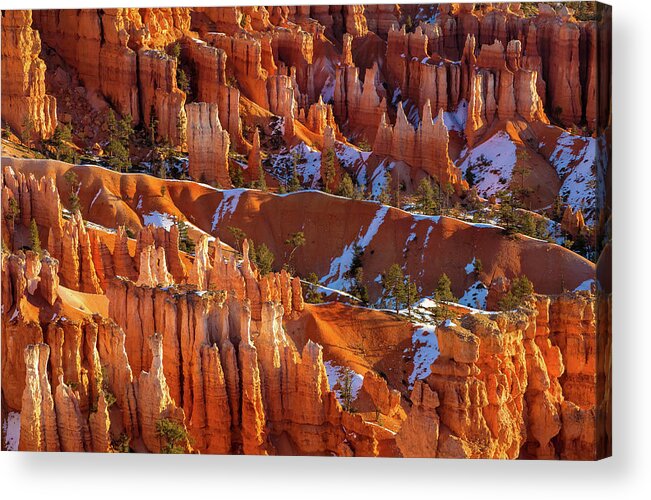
<point x="227" y="206"/>
<point x="455" y="120"/>
<point x="492" y="164"/>
<point x="578" y="171"/>
<point x="425" y="346"/>
<point x="339" y="265"/>
<point x="334" y="373"/>
<point x="328" y="90"/>
<point x="95" y="198"/>
<point x="159" y="219"/>
<point x="586" y="286"/>
<point x="475" y="296"/>
<point x="11" y="428"/>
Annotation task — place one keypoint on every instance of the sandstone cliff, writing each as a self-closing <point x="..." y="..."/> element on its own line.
<point x="26" y="108"/>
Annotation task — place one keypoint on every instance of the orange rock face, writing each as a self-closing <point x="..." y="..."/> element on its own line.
<point x="208" y="144"/>
<point x="425" y="148"/>
<point x="148" y="321"/>
<point x="25" y="106"/>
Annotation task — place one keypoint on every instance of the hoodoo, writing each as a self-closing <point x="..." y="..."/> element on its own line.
<point x="350" y="230"/>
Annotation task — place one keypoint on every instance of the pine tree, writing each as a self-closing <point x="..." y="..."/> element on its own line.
<point x="13" y="211"/>
<point x="237" y="178"/>
<point x="238" y="235"/>
<point x="428" y="198"/>
<point x="60" y="141"/>
<point x="295" y="241"/>
<point x="520" y="289"/>
<point x="443" y="291"/>
<point x="186" y="244"/>
<point x="262" y="181"/>
<point x="358" y="288"/>
<point x="312" y="294"/>
<point x="557" y="209"/>
<point x="410" y="292"/>
<point x="346" y="188"/>
<point x="34" y="238"/>
<point x="478" y="267"/>
<point x="385" y="194"/>
<point x="330" y="172"/>
<point x="74" y="185"/>
<point x="345" y="379"/>
<point x="264" y="259"/>
<point x="392" y="286"/>
<point x="294" y="182"/>
<point x="27" y="131"/>
<point x="120" y="133"/>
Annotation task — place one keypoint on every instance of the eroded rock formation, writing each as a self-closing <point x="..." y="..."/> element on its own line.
<point x="208" y="144"/>
<point x="26" y="108"/>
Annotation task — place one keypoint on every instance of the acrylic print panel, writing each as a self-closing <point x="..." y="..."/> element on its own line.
<point x="358" y="230"/>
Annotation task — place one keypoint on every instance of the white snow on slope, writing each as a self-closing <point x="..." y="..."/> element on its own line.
<point x="227" y="206"/>
<point x="475" y="296"/>
<point x="379" y="178"/>
<point x="470" y="266"/>
<point x="426" y="349"/>
<point x="586" y="286"/>
<point x="328" y="90"/>
<point x="95" y="198"/>
<point x="454" y="120"/>
<point x="11" y="428"/>
<point x="334" y="377"/>
<point x="578" y="171"/>
<point x="350" y="156"/>
<point x="339" y="265"/>
<point x="159" y="219"/>
<point x="308" y="165"/>
<point x="495" y="175"/>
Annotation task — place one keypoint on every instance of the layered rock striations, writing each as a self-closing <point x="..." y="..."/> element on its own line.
<point x="161" y="101"/>
<point x="508" y="385"/>
<point x="208" y="144"/>
<point x="26" y="107"/>
<point x="425" y="147"/>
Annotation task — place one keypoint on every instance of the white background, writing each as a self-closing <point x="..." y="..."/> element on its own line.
<point x="624" y="476"/>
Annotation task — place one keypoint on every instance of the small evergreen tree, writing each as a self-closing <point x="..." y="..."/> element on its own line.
<point x="346" y="187"/>
<point x="427" y="201"/>
<point x="34" y="238"/>
<point x="410" y="292"/>
<point x="557" y="209"/>
<point x="312" y="294"/>
<point x="478" y="267"/>
<point x="120" y="133"/>
<point x="264" y="259"/>
<point x="61" y="142"/>
<point x="74" y="185"/>
<point x="443" y="291"/>
<point x="520" y="289"/>
<point x="385" y="193"/>
<point x="295" y="241"/>
<point x="173" y="436"/>
<point x="345" y="380"/>
<point x="6" y="132"/>
<point x="238" y="235"/>
<point x="13" y="211"/>
<point x="186" y="244"/>
<point x="330" y="172"/>
<point x="236" y="175"/>
<point x="392" y="286"/>
<point x="294" y="182"/>
<point x="27" y="131"/>
<point x="262" y="181"/>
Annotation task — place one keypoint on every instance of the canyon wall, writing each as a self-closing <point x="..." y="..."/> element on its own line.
<point x="26" y="108"/>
